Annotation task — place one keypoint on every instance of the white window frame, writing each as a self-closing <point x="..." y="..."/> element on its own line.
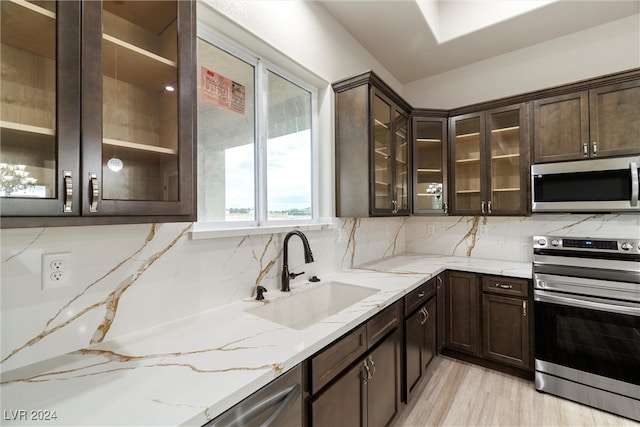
<point x="261" y="224"/>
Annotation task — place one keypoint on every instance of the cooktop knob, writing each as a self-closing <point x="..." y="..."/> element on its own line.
<point x="542" y="242"/>
<point x="626" y="246"/>
<point x="555" y="242"/>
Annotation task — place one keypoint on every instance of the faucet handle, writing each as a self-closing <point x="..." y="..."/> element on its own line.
<point x="260" y="290"/>
<point x="294" y="275"/>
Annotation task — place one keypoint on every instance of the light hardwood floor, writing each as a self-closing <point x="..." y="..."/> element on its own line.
<point x="462" y="394"/>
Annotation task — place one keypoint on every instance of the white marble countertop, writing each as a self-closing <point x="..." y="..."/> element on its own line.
<point x="189" y="371"/>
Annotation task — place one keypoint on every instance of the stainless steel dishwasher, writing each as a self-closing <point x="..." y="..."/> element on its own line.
<point x="277" y="404"/>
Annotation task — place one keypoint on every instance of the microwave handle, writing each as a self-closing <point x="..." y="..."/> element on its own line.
<point x="635" y="185"/>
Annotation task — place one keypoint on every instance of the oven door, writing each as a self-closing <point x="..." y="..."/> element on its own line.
<point x="590" y="334"/>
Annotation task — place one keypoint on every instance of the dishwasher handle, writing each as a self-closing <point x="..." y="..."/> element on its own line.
<point x="281" y="400"/>
<point x="291" y="394"/>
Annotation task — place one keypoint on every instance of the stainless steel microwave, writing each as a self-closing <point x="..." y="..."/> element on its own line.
<point x="598" y="185"/>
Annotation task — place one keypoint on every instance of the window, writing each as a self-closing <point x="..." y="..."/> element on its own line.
<point x="255" y="139"/>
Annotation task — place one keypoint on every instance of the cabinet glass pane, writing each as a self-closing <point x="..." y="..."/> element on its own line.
<point x="28" y="155"/>
<point x="505" y="160"/>
<point x="428" y="164"/>
<point x="402" y="161"/>
<point x="382" y="153"/>
<point x="467" y="163"/>
<point x="140" y="111"/>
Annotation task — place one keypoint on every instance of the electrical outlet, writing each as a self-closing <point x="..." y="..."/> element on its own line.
<point x="56" y="270"/>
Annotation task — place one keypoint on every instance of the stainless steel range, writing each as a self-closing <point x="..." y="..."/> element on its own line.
<point x="587" y="321"/>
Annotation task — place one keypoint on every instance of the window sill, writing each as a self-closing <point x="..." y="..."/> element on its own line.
<point x="203" y="230"/>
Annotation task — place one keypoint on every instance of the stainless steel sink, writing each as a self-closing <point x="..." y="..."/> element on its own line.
<point x="301" y="310"/>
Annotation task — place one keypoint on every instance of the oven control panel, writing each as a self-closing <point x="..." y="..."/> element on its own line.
<point x="596" y="245"/>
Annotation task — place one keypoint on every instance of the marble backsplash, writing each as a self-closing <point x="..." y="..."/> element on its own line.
<point x="131" y="277"/>
<point x="509" y="238"/>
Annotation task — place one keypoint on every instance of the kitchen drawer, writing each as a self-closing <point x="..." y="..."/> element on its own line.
<point x="335" y="358"/>
<point x="419" y="296"/>
<point x="383" y="323"/>
<point x="505" y="286"/>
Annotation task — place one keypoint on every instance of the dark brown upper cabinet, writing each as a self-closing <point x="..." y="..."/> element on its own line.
<point x="111" y="136"/>
<point x="372" y="149"/>
<point x="489" y="158"/>
<point x="599" y="122"/>
<point x="429" y="164"/>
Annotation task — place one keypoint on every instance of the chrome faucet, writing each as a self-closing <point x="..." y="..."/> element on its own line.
<point x="308" y="257"/>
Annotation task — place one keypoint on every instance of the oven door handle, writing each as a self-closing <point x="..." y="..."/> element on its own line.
<point x="620" y="307"/>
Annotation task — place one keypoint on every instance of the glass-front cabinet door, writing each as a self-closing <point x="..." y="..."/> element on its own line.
<point x="39" y="115"/>
<point x="467" y="134"/>
<point x="390" y="157"/>
<point x="134" y="103"/>
<point x="400" y="202"/>
<point x="508" y="160"/>
<point x="382" y="160"/>
<point x="490" y="162"/>
<point x="430" y="165"/>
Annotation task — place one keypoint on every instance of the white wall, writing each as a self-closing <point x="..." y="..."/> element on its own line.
<point x="604" y="49"/>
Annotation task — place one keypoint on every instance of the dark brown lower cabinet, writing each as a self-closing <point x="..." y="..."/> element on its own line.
<point x="462" y="330"/>
<point x="367" y="394"/>
<point x="420" y="344"/>
<point x="440" y="313"/>
<point x="488" y="318"/>
<point x="506" y="323"/>
<point x="341" y="404"/>
<point x="355" y="381"/>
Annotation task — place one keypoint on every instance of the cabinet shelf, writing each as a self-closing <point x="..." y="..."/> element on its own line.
<point x="424" y="170"/>
<point x="507" y="129"/>
<point x="136" y="65"/>
<point x="468" y="191"/>
<point x="29" y="27"/>
<point x="505" y="156"/>
<point x="379" y="123"/>
<point x="468" y="135"/>
<point x="475" y="160"/>
<point x="429" y="140"/>
<point x="142" y="148"/>
<point x="20" y="127"/>
<point x="501" y="190"/>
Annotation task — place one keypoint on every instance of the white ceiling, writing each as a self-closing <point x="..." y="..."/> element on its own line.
<point x="414" y="39"/>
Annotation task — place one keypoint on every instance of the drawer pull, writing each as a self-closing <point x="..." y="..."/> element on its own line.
<point x="524" y="309"/>
<point x="421" y="294"/>
<point x="503" y="286"/>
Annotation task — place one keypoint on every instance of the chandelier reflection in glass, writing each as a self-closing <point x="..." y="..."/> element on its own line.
<point x="15" y="178"/>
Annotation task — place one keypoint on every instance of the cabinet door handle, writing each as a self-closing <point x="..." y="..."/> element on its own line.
<point x="68" y="192"/>
<point x="423" y="316"/>
<point x="482" y="206"/>
<point x="94" y="192"/>
<point x="426" y="314"/>
<point x="585" y="150"/>
<point x="524" y="309"/>
<point x="395" y="206"/>
<point x="503" y="286"/>
<point x="595" y="148"/>
<point x="439" y="279"/>
<point x="373" y="366"/>
<point x="368" y="375"/>
<point x="489" y="206"/>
